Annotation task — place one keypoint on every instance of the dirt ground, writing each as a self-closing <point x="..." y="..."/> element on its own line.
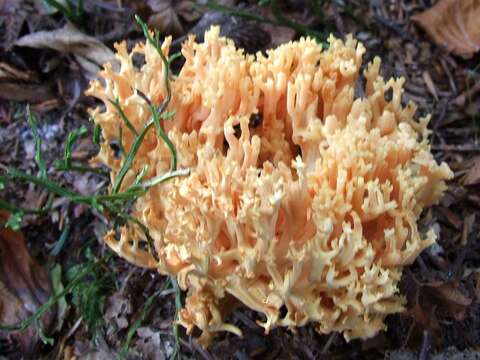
<point x="117" y="309"/>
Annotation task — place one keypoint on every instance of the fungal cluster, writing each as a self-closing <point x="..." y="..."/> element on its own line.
<point x="305" y="183"/>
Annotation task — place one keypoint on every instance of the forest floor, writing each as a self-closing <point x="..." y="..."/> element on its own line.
<point x="107" y="308"/>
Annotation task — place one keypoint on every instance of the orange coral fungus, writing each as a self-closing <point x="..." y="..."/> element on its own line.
<point x="302" y="197"/>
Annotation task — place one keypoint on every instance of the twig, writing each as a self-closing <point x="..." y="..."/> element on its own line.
<point x="456" y="148"/>
<point x="426" y="345"/>
<point x="329" y="343"/>
<point x="462" y="98"/>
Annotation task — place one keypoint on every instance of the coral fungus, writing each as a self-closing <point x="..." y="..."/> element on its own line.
<point x="304" y="187"/>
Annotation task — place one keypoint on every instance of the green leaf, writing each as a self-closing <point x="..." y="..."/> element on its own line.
<point x="167" y="115"/>
<point x="14" y="221"/>
<point x="90" y="295"/>
<point x="97" y="132"/>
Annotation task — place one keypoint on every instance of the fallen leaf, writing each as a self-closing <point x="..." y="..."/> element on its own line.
<point x="472" y="177"/>
<point x="149" y="343"/>
<point x="164" y="18"/>
<point x="188" y="11"/>
<point x="24" y="287"/>
<point x="88" y="51"/>
<point x="454" y="25"/>
<point x="33" y="93"/>
<point x="87" y="184"/>
<point x="279" y="34"/>
<point x="165" y="15"/>
<point x="20" y="85"/>
<point x="88" y="350"/>
<point x="118" y="306"/>
<point x="431" y="302"/>
<point x="450" y="300"/>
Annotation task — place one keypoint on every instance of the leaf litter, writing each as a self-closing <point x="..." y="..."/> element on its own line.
<point x="454" y="25"/>
<point x="88" y="51"/>
<point x="24" y="287"/>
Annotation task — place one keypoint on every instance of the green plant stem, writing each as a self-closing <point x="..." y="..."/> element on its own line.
<point x="71" y="139"/>
<point x="166" y="68"/>
<point x="38" y="143"/>
<point x="164" y="137"/>
<point x="14" y="209"/>
<point x="127" y="164"/>
<point x="82" y="169"/>
<point x="75" y="16"/>
<point x="124" y="117"/>
<point x="53" y="187"/>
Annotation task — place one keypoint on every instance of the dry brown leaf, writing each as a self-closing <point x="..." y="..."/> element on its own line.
<point x="89" y="52"/>
<point x="33" y="93"/>
<point x="165" y="19"/>
<point x="453" y="24"/>
<point x="450" y="300"/>
<point x="118" y="307"/>
<point x="149" y="343"/>
<point x="472" y="177"/>
<point x="165" y="15"/>
<point x="24" y="287"/>
<point x="21" y="85"/>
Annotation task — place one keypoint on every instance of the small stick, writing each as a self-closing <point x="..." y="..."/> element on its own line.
<point x="426" y="345"/>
